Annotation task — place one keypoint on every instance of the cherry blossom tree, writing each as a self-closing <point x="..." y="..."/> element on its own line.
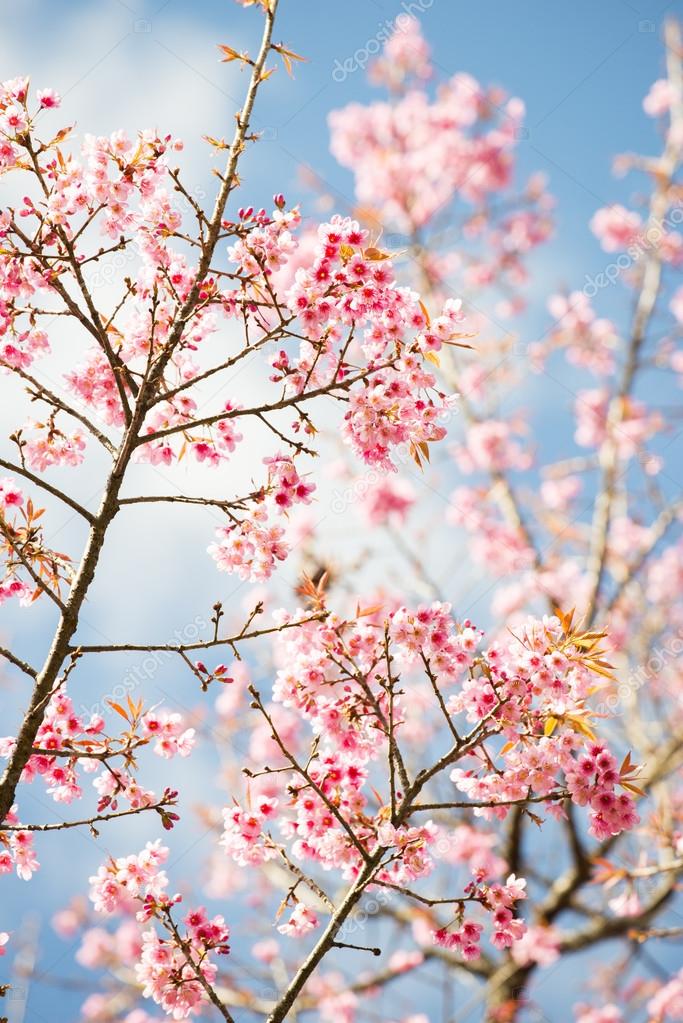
<point x="420" y="797"/>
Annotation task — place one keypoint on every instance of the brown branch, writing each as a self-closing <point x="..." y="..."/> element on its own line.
<point x="490" y="804"/>
<point x="44" y="485"/>
<point x="116" y="648"/>
<point x="26" y="564"/>
<point x="87" y="821"/>
<point x="442" y="703"/>
<point x="305" y="774"/>
<point x="644" y="310"/>
<point x="658" y="531"/>
<point x="327" y="939"/>
<point x="61" y="644"/>
<point x="275" y="406"/>
<point x="304" y="878"/>
<point x="186" y="948"/>
<point x="44" y="394"/>
<point x="18" y="663"/>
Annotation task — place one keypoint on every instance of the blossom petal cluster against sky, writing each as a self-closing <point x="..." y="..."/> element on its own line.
<point x="563" y="89"/>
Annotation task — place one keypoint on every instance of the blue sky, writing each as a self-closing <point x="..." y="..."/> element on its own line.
<point x="581" y="68"/>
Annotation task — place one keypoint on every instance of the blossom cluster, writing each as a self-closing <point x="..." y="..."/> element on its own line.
<point x="634" y="425"/>
<point x="588" y="340"/>
<point x="11" y="499"/>
<point x="413" y="156"/>
<point x="389" y="500"/>
<point x="357" y="330"/>
<point x="507" y="929"/>
<point x="16" y="849"/>
<point x="250" y="546"/>
<point x="167" y="728"/>
<point x="490" y="447"/>
<point x="350" y="286"/>
<point x="338" y="675"/>
<point x="68" y="743"/>
<point x="664" y="1006"/>
<point x="176" y="970"/>
<point x="174" y="973"/>
<point x="127" y="878"/>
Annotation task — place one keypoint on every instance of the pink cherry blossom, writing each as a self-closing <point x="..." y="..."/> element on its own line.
<point x="300" y="922"/>
<point x="616" y="227"/>
<point x="537" y="945"/>
<point x="129" y="877"/>
<point x="48" y="98"/>
<point x="169" y="733"/>
<point x="659" y="98"/>
<point x="389" y="500"/>
<point x="605" y="1014"/>
<point x="383" y="765"/>
<point x="667" y="1003"/>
